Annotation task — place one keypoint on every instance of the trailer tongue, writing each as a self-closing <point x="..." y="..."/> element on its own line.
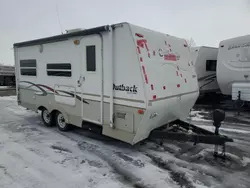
<point x="183" y="131"/>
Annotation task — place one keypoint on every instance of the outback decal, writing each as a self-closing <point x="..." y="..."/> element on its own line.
<point x="247" y="44"/>
<point x="128" y="89"/>
<point x="44" y="93"/>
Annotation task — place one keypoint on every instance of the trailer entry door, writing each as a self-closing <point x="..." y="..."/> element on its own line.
<point x="91" y="72"/>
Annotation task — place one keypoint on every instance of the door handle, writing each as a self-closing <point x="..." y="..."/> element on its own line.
<point x="80" y="81"/>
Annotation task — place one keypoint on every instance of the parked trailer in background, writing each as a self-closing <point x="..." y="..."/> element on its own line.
<point x="233" y="68"/>
<point x="7" y="75"/>
<point x="127" y="79"/>
<point x="205" y="60"/>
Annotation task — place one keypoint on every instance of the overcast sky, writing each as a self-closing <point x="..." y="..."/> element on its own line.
<point x="206" y="21"/>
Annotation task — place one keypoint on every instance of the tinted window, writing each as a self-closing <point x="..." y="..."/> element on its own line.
<point x="59" y="66"/>
<point x="211" y="65"/>
<point x="91" y="58"/>
<point x="28" y="67"/>
<point x="28" y="63"/>
<point x="59" y="73"/>
<point x="28" y="72"/>
<point x="59" y="69"/>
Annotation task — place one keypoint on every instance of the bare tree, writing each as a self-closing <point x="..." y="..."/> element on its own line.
<point x="191" y="42"/>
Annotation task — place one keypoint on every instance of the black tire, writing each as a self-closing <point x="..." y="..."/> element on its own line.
<point x="60" y="122"/>
<point x="47" y="118"/>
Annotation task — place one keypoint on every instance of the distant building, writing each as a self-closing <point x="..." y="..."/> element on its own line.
<point x="7" y="75"/>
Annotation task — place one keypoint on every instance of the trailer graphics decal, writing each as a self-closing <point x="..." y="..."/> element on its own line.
<point x="207" y="79"/>
<point x="128" y="89"/>
<point x="39" y="87"/>
<point x="168" y="54"/>
<point x="247" y="44"/>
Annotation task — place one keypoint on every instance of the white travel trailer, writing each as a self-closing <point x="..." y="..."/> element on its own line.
<point x="233" y="67"/>
<point x="122" y="77"/>
<point x="205" y="59"/>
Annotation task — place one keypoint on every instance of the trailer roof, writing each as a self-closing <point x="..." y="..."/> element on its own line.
<point x="63" y="37"/>
<point x="196" y="47"/>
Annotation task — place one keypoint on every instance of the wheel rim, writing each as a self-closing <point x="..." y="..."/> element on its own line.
<point x="61" y="121"/>
<point x="46" y="116"/>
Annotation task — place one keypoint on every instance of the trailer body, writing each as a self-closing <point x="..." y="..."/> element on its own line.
<point x="205" y="60"/>
<point x="125" y="78"/>
<point x="233" y="67"/>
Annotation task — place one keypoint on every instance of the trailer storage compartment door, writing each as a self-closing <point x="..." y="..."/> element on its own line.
<point x="242" y="90"/>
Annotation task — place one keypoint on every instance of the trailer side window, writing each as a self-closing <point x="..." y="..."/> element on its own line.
<point x="91" y="58"/>
<point x="211" y="65"/>
<point x="59" y="69"/>
<point x="28" y="67"/>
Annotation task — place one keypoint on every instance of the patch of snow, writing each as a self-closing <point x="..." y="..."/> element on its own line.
<point x="8" y="98"/>
<point x="200" y="118"/>
<point x="194" y="112"/>
<point x="4" y="87"/>
<point x="245" y="161"/>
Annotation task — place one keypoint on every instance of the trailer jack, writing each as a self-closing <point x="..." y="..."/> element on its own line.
<point x="183" y="131"/>
<point x="239" y="103"/>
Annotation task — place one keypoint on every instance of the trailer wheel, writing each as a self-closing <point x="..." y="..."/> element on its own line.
<point x="47" y="117"/>
<point x="60" y="122"/>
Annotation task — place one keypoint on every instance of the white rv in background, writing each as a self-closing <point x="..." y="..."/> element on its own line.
<point x="233" y="67"/>
<point x="127" y="79"/>
<point x="205" y="59"/>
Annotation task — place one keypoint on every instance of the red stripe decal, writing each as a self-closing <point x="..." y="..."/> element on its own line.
<point x="170" y="57"/>
<point x="152" y="87"/>
<point x="154" y="97"/>
<point x="141" y="43"/>
<point x="141" y="60"/>
<point x="143" y="70"/>
<point x="164" y="87"/>
<point x="47" y="87"/>
<point x="139" y="35"/>
<point x="138" y="50"/>
<point x="146" y="78"/>
<point x="149" y="55"/>
<point x="178" y="85"/>
<point x="177" y="74"/>
<point x="145" y="75"/>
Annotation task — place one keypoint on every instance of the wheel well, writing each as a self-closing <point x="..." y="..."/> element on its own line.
<point x="41" y="108"/>
<point x="53" y="112"/>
